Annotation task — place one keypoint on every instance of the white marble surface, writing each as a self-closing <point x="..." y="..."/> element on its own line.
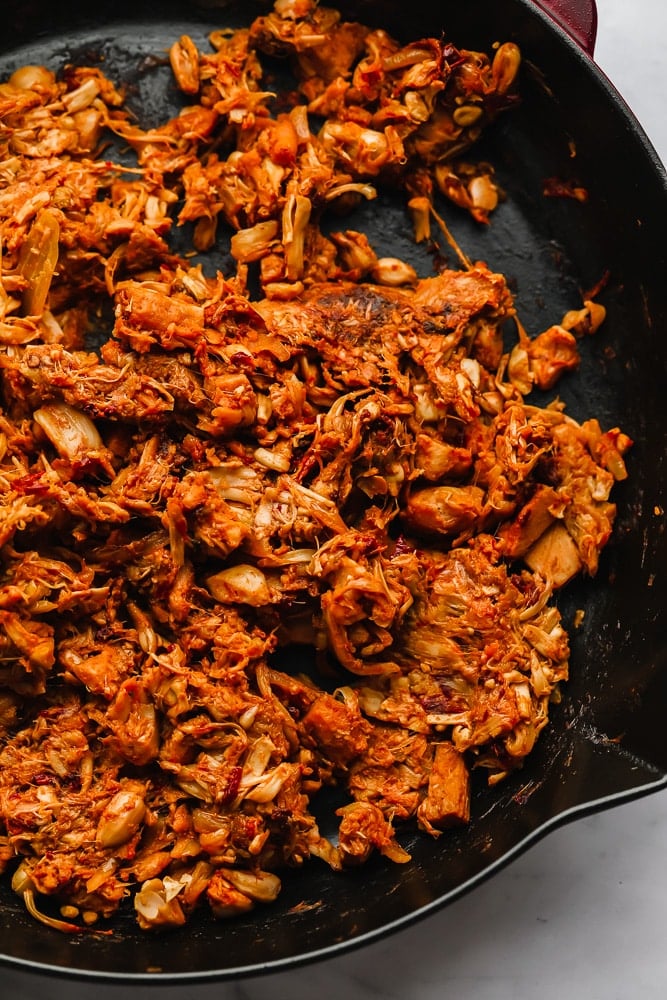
<point x="631" y="54"/>
<point x="583" y="913"/>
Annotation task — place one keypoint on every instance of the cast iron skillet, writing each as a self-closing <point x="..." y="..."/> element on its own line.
<point x="606" y="742"/>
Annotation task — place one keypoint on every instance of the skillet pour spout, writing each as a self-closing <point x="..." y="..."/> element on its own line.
<point x="605" y="742"/>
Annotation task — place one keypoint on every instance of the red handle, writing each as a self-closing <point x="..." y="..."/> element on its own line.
<point x="578" y="17"/>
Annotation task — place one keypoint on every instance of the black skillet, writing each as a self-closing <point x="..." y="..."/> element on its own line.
<point x="607" y="741"/>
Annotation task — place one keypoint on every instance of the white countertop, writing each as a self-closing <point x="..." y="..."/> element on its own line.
<point x="583" y="914"/>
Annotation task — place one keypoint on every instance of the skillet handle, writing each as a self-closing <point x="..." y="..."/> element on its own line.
<point x="578" y="17"/>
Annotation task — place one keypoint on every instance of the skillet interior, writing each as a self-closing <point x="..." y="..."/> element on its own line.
<point x="605" y="742"/>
